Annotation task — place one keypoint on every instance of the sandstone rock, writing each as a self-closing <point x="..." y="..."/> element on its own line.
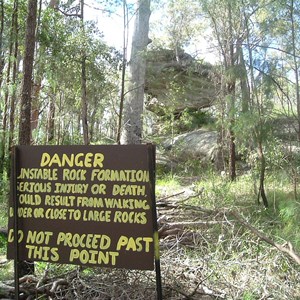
<point x="178" y="82"/>
<point x="198" y="144"/>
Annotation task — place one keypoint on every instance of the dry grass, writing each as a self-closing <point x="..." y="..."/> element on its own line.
<point x="204" y="255"/>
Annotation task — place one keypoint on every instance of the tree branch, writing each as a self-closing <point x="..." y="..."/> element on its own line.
<point x="285" y="248"/>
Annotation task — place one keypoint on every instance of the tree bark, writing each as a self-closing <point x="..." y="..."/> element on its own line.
<point x="124" y="61"/>
<point x="3" y="143"/>
<point x="244" y="82"/>
<point x="134" y="100"/>
<point x="261" y="191"/>
<point x="1" y="41"/>
<point x="25" y="118"/>
<point x="231" y="86"/>
<point x="13" y="98"/>
<point x="84" y="104"/>
<point x="257" y="134"/>
<point x="50" y="121"/>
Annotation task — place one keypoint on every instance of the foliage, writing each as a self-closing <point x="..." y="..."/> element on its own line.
<point x="186" y="120"/>
<point x="289" y="213"/>
<point x="255" y="48"/>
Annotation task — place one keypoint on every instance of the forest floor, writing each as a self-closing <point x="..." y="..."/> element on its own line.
<point x="205" y="253"/>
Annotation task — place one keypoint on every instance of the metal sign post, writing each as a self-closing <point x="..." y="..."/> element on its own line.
<point x="151" y="158"/>
<point x="16" y="225"/>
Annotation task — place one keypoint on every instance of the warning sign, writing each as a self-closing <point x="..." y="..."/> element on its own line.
<point x="86" y="205"/>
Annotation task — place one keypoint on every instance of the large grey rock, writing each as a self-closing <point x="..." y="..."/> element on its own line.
<point x="178" y="82"/>
<point x="198" y="144"/>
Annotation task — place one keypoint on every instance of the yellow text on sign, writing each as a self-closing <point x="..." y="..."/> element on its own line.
<point x="134" y="244"/>
<point x="87" y="160"/>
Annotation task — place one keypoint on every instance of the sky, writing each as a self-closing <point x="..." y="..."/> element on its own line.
<point x="112" y="28"/>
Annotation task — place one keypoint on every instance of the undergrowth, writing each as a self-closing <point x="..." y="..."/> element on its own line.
<point x="224" y="259"/>
<point x="280" y="220"/>
<point x="236" y="260"/>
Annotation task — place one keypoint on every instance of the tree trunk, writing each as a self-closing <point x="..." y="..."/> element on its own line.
<point x="25" y="118"/>
<point x="231" y="92"/>
<point x="13" y="98"/>
<point x="25" y="126"/>
<point x="84" y="105"/>
<point x="50" y="122"/>
<point x="134" y="101"/>
<point x="231" y="134"/>
<point x="261" y="192"/>
<point x="124" y="61"/>
<point x="257" y="134"/>
<point x="296" y="66"/>
<point x="6" y="95"/>
<point x="244" y="82"/>
<point x="39" y="74"/>
<point x="1" y="41"/>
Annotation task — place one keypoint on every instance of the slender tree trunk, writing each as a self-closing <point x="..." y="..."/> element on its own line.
<point x="59" y="125"/>
<point x="296" y="66"/>
<point x="12" y="45"/>
<point x="232" y="155"/>
<point x="39" y="66"/>
<point x="84" y="104"/>
<point x="258" y="133"/>
<point x="134" y="101"/>
<point x="244" y="82"/>
<point x="2" y="61"/>
<point x="40" y="70"/>
<point x="51" y="121"/>
<point x="231" y="92"/>
<point x="231" y="134"/>
<point x="124" y="60"/>
<point x="92" y="123"/>
<point x="262" y="159"/>
<point x="13" y="98"/>
<point x="25" y="121"/>
<point x="6" y="99"/>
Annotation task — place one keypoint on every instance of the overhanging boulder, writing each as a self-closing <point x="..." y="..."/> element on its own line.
<point x="178" y="82"/>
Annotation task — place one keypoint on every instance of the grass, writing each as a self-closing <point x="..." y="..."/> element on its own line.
<point x="226" y="258"/>
<point x="281" y="219"/>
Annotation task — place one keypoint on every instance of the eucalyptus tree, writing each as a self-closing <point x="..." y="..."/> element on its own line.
<point x="9" y="81"/>
<point x="294" y="14"/>
<point x="182" y="24"/>
<point x="283" y="26"/>
<point x="25" y="109"/>
<point x="13" y="99"/>
<point x="25" y="117"/>
<point x="134" y="101"/>
<point x="62" y="43"/>
<point x="1" y="40"/>
<point x="266" y="26"/>
<point x="291" y="45"/>
<point x="286" y="32"/>
<point x="44" y="13"/>
<point x="84" y="104"/>
<point x="227" y="23"/>
<point x="240" y="29"/>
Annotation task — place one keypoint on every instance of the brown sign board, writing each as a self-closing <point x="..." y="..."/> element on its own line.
<point x="84" y="205"/>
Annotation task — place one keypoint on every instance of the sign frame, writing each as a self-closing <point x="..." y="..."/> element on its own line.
<point x="150" y="151"/>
